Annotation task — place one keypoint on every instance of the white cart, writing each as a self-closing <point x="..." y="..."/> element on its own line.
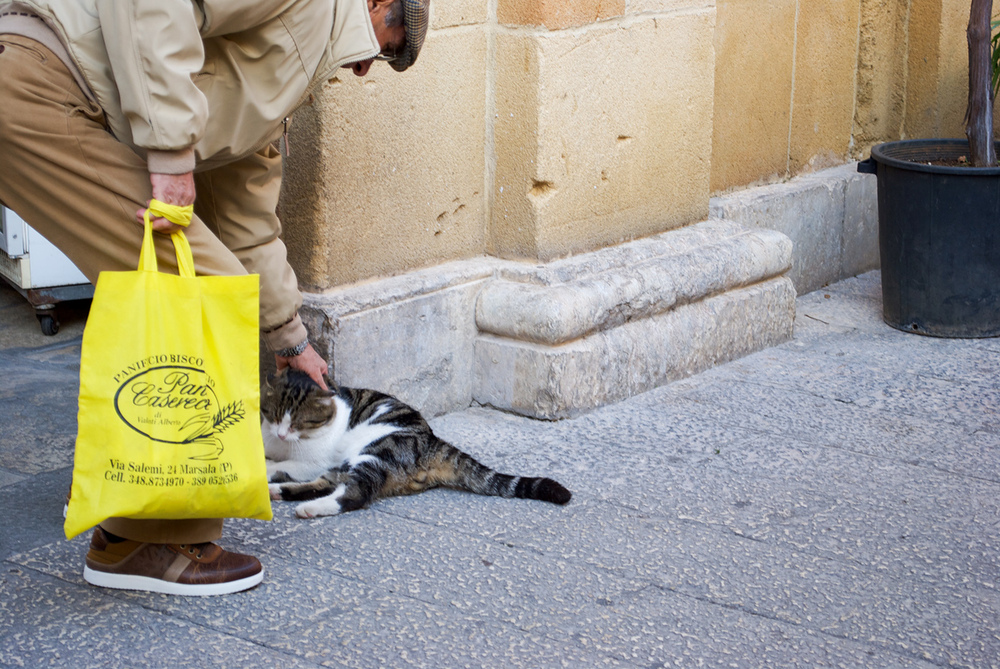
<point x="38" y="270"/>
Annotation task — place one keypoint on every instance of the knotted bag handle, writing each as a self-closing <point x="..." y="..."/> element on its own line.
<point x="178" y="216"/>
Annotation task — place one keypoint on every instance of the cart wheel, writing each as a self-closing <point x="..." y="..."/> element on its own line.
<point x="49" y="324"/>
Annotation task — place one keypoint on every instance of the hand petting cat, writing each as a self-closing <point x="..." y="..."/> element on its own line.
<point x="309" y="361"/>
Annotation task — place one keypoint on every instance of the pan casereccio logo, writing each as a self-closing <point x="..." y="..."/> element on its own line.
<point x="175" y="403"/>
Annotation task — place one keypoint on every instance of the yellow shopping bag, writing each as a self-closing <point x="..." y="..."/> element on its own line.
<point x="169" y="418"/>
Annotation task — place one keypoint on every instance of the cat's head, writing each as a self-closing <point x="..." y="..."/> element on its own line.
<point x="294" y="407"/>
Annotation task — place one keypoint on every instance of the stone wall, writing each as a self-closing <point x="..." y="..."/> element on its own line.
<point x="532" y="133"/>
<point x="532" y="130"/>
<point x="784" y="88"/>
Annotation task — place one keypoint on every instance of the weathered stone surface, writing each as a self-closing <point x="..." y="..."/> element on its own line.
<point x="458" y="13"/>
<point x="859" y="253"/>
<point x="555" y="314"/>
<point x="880" y="98"/>
<point x="409" y="336"/>
<point x="556" y="14"/>
<point x="563" y="381"/>
<point x="386" y="172"/>
<point x="826" y="56"/>
<point x="830" y="216"/>
<point x="937" y="59"/>
<point x="651" y="6"/>
<point x="642" y="307"/>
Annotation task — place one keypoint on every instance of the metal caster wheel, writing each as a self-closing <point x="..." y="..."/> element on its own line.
<point x="49" y="324"/>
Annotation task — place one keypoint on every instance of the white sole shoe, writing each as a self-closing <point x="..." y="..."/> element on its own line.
<point x="148" y="584"/>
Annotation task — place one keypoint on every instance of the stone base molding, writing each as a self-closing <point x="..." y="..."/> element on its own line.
<point x="555" y="340"/>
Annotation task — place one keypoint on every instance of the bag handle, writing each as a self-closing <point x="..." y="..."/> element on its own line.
<point x="178" y="216"/>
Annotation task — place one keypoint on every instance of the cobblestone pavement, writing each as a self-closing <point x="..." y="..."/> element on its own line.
<point x="830" y="502"/>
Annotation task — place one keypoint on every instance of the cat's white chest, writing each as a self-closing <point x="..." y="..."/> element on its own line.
<point x="329" y="447"/>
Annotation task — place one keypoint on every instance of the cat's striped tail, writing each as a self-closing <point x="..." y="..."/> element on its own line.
<point x="467" y="473"/>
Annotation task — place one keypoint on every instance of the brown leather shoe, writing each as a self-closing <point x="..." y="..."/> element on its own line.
<point x="173" y="569"/>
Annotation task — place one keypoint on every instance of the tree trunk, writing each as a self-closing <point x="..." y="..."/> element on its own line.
<point x="979" y="114"/>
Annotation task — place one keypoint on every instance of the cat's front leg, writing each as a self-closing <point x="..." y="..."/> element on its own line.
<point x="286" y="472"/>
<point x="283" y="487"/>
<point x="324" y="506"/>
<point x="274" y="483"/>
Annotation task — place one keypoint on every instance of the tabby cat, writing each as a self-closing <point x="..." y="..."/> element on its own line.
<point x="340" y="450"/>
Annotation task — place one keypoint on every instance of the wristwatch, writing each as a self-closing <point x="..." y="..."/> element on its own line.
<point x="294" y="350"/>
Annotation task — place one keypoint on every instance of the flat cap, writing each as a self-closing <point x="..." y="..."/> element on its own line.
<point x="415" y="19"/>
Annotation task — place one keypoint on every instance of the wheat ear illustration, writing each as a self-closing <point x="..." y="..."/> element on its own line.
<point x="205" y="432"/>
<point x="229" y="415"/>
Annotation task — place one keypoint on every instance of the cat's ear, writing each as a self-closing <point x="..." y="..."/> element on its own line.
<point x="330" y="384"/>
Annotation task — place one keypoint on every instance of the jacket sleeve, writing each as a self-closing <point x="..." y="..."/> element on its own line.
<point x="155" y="47"/>
<point x="237" y="202"/>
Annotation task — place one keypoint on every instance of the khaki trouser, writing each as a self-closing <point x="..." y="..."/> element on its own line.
<point x="64" y="173"/>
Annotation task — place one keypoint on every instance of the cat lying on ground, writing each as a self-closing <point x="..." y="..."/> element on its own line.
<point x="340" y="450"/>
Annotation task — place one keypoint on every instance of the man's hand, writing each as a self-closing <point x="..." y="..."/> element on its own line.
<point x="309" y="361"/>
<point x="172" y="189"/>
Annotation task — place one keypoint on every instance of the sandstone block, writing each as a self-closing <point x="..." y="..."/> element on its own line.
<point x="826" y="56"/>
<point x="881" y="73"/>
<point x="387" y="172"/>
<point x="754" y="45"/>
<point x="556" y="14"/>
<point x="618" y="154"/>
<point x="649" y="6"/>
<point x="937" y="85"/>
<point x="458" y="13"/>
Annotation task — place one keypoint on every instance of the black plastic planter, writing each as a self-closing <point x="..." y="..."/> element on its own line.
<point x="939" y="239"/>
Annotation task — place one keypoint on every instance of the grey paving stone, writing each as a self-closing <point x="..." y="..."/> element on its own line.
<point x="930" y="438"/>
<point x="668" y="629"/>
<point x="49" y="623"/>
<point x="32" y="511"/>
<point x="826" y="596"/>
<point x="8" y="477"/>
<point x="38" y="402"/>
<point x="829" y="502"/>
<point x="471" y="575"/>
<point x="400" y="632"/>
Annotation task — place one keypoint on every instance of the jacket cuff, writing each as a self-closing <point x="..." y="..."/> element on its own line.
<point x="170" y="162"/>
<point x="286" y="336"/>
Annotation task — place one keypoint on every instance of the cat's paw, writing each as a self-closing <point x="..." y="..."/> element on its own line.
<point x="317" y="508"/>
<point x="274" y="489"/>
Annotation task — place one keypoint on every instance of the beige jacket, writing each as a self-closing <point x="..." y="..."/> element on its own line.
<point x="207" y="85"/>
